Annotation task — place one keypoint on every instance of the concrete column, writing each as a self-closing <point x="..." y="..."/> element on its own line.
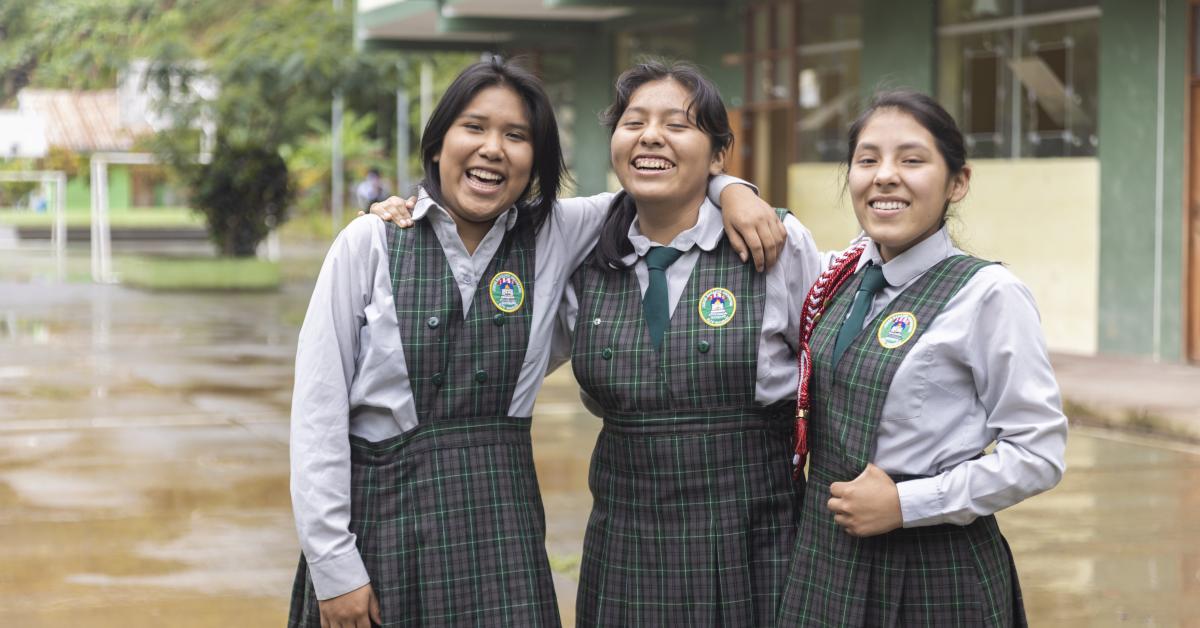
<point x="899" y="44"/>
<point x="1142" y="151"/>
<point x="594" y="75"/>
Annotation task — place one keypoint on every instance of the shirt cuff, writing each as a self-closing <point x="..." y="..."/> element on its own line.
<point x="921" y="502"/>
<point x="338" y="575"/>
<point x="718" y="183"/>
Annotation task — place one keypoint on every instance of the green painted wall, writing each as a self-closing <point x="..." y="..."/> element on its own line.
<point x="593" y="92"/>
<point x="899" y="42"/>
<point x="120" y="189"/>
<point x="1129" y="50"/>
<point x="78" y="193"/>
<point x="717" y="36"/>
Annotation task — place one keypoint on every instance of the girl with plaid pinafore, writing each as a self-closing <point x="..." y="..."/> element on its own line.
<point x="423" y="349"/>
<point x="690" y="361"/>
<point x="916" y="358"/>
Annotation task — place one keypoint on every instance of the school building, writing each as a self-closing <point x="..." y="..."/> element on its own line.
<point x="1078" y="113"/>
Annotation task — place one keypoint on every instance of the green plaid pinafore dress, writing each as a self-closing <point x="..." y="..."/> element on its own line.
<point x="694" y="509"/>
<point x="942" y="575"/>
<point x="448" y="515"/>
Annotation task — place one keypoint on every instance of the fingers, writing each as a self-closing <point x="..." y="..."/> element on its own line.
<point x="376" y="615"/>
<point x="755" y="246"/>
<point x="411" y="202"/>
<point x="838" y="489"/>
<point x="738" y="244"/>
<point x="771" y="246"/>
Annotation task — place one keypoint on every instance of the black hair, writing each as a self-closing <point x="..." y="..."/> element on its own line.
<point x="549" y="168"/>
<point x="705" y="108"/>
<point x="927" y="112"/>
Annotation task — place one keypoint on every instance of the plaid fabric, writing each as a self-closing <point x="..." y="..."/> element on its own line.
<point x="439" y="345"/>
<point x="449" y="523"/>
<point x="942" y="575"/>
<point x="448" y="516"/>
<point x="694" y="508"/>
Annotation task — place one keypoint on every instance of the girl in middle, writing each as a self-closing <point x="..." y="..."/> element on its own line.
<point x="689" y="355"/>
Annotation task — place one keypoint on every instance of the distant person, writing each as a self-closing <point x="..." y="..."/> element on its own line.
<point x="933" y="403"/>
<point x="371" y="189"/>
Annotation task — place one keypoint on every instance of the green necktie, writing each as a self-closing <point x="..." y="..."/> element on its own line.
<point x="872" y="282"/>
<point x="654" y="304"/>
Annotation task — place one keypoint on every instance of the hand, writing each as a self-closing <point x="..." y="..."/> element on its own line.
<point x="868" y="505"/>
<point x="753" y="227"/>
<point x="356" y="609"/>
<point x="395" y="209"/>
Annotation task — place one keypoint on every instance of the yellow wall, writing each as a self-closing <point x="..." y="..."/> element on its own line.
<point x="1040" y="217"/>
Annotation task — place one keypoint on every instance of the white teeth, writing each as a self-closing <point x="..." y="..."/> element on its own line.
<point x="889" y="205"/>
<point x="485" y="175"/>
<point x="649" y="163"/>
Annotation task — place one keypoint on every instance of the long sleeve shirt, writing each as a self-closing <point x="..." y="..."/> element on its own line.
<point x="787" y="283"/>
<point x="978" y="374"/>
<point x="351" y="375"/>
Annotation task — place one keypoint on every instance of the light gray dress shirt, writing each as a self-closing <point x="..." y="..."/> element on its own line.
<point x="787" y="283"/>
<point x="978" y="374"/>
<point x="351" y="376"/>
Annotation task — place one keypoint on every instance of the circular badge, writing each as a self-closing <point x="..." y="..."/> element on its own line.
<point x="896" y="329"/>
<point x="507" y="292"/>
<point x="717" y="307"/>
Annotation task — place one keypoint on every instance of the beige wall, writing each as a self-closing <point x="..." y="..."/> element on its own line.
<point x="1040" y="217"/>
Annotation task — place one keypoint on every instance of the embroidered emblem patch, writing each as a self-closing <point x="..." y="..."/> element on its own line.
<point x="897" y="329"/>
<point x="717" y="307"/>
<point x="507" y="292"/>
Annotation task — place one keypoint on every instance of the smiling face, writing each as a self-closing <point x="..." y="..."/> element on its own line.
<point x="900" y="183"/>
<point x="661" y="157"/>
<point x="486" y="158"/>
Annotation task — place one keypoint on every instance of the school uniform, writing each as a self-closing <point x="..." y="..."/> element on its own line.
<point x="949" y="360"/>
<point x="694" y="504"/>
<point x="416" y="373"/>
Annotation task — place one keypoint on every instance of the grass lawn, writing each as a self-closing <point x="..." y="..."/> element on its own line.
<point x="199" y="273"/>
<point x="148" y="217"/>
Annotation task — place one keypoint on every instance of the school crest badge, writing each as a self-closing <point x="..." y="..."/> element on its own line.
<point x="717" y="307"/>
<point x="896" y="329"/>
<point x="507" y="292"/>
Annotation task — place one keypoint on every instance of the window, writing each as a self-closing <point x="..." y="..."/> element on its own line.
<point x="803" y="57"/>
<point x="1021" y="76"/>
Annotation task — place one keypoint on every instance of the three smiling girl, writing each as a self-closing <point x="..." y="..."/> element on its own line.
<point x="695" y="512"/>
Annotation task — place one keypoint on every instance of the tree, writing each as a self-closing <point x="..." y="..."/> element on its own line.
<point x="243" y="192"/>
<point x="277" y="63"/>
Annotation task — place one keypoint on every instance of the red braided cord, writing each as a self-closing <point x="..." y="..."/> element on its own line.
<point x="822" y="290"/>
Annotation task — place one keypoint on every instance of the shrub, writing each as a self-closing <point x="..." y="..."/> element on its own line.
<point x="243" y="192"/>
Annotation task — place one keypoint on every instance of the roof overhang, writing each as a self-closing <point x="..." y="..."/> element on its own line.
<point x="475" y="24"/>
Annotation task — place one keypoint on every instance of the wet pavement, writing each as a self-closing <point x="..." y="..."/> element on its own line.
<point x="143" y="472"/>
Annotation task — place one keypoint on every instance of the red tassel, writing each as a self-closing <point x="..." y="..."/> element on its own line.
<point x="818" y="297"/>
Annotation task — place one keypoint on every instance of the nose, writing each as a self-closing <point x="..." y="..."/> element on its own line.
<point x="490" y="147"/>
<point x="651" y="135"/>
<point x="886" y="173"/>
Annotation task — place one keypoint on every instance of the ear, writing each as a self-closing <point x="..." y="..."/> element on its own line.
<point x="717" y="165"/>
<point x="960" y="184"/>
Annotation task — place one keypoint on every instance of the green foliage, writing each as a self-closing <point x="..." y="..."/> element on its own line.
<point x="311" y="164"/>
<point x="276" y="63"/>
<point x="243" y="192"/>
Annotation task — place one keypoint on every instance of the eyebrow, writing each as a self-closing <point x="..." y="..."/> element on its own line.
<point x="903" y="147"/>
<point x="483" y="118"/>
<point x="643" y="110"/>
